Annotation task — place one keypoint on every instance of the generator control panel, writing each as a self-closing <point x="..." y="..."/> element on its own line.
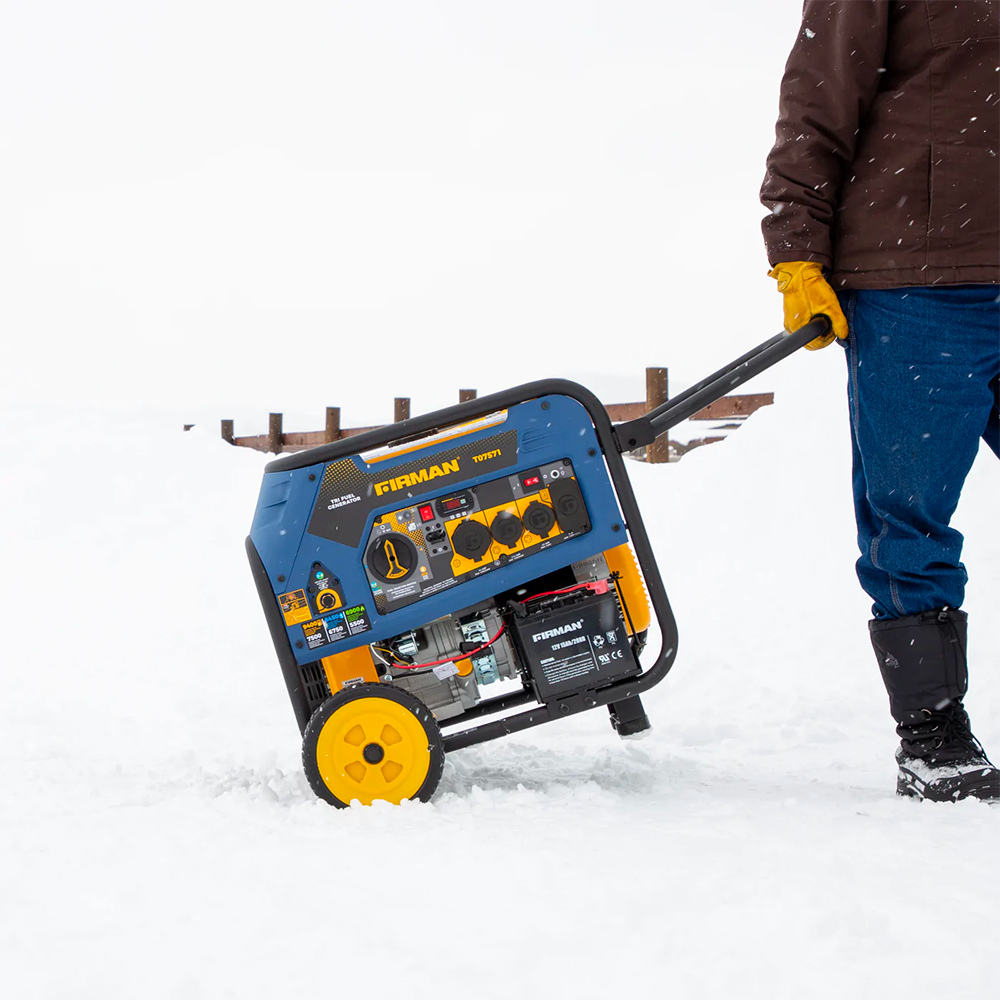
<point x="425" y="548"/>
<point x="361" y="544"/>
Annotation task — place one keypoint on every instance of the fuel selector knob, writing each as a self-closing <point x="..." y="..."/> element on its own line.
<point x="539" y="519"/>
<point x="506" y="528"/>
<point x="471" y="539"/>
<point x="392" y="558"/>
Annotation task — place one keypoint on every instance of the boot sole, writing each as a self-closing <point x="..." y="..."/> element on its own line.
<point x="986" y="787"/>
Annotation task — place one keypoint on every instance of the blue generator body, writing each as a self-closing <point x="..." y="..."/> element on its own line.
<point x="454" y="578"/>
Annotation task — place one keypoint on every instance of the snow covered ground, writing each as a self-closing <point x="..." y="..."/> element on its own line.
<point x="159" y="838"/>
<point x="191" y="256"/>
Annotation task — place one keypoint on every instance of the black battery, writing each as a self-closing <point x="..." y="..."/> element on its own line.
<point x="578" y="647"/>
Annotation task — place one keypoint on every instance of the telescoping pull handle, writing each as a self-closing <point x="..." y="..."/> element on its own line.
<point x="645" y="430"/>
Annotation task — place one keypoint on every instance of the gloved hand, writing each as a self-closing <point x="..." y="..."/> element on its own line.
<point x="807" y="294"/>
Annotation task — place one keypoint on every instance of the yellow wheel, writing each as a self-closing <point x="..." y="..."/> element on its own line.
<point x="372" y="741"/>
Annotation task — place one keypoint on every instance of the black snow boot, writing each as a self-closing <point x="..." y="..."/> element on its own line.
<point x="939" y="759"/>
<point x="923" y="663"/>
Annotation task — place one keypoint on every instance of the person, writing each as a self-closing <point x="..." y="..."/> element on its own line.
<point x="884" y="202"/>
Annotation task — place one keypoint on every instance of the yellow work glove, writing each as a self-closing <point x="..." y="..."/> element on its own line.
<point x="807" y="294"/>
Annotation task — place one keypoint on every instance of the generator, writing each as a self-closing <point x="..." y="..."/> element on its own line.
<point x="464" y="575"/>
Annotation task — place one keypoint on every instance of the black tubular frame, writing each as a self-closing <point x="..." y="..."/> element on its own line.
<point x="646" y="429"/>
<point x="427" y="423"/>
<point x="613" y="439"/>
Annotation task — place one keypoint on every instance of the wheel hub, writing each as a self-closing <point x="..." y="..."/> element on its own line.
<point x="372" y="747"/>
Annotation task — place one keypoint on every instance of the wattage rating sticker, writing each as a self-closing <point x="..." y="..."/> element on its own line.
<point x="333" y="628"/>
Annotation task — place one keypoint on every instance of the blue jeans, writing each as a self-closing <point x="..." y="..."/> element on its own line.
<point x="923" y="366"/>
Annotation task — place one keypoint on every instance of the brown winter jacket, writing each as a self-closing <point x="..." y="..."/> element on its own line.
<point x="885" y="165"/>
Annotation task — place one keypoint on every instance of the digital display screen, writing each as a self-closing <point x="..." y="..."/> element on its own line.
<point x="447" y="506"/>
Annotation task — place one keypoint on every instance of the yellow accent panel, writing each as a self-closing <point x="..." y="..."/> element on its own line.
<point x="405" y="761"/>
<point x="633" y="591"/>
<point x="499" y="549"/>
<point x="459" y="564"/>
<point x="529" y="538"/>
<point x="352" y="665"/>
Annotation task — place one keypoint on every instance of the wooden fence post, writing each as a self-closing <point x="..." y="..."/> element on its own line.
<point x="656" y="393"/>
<point x="274" y="433"/>
<point x="332" y="432"/>
<point x="732" y="408"/>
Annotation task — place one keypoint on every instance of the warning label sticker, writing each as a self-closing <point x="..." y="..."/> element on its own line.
<point x="558" y="670"/>
<point x="332" y="628"/>
<point x="294" y="607"/>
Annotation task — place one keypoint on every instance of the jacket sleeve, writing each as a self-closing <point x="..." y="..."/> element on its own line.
<point x="830" y="79"/>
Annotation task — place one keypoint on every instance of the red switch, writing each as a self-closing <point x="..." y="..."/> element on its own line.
<point x="427" y="513"/>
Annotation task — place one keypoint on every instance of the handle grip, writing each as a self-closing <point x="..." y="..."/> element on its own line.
<point x="658" y="421"/>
